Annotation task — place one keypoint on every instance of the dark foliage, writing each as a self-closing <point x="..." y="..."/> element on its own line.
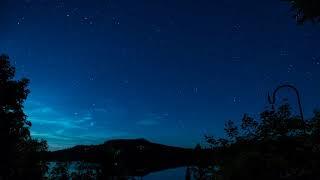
<point x="305" y="10"/>
<point x="275" y="147"/>
<point x="20" y="154"/>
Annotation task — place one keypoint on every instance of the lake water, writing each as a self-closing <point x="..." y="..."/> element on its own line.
<point x="170" y="174"/>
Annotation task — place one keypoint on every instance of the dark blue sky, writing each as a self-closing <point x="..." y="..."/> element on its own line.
<point x="166" y="70"/>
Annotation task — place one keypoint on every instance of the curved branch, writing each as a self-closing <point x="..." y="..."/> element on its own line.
<point x="272" y="100"/>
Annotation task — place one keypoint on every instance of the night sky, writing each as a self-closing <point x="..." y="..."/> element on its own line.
<point x="166" y="70"/>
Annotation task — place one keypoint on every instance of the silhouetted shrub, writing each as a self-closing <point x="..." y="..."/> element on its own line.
<point x="278" y="146"/>
<point x="305" y="10"/>
<point x="21" y="156"/>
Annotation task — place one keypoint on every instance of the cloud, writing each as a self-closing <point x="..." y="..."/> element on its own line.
<point x="84" y="118"/>
<point x="50" y="136"/>
<point x="48" y="110"/>
<point x="66" y="129"/>
<point x="152" y="119"/>
<point x="60" y="131"/>
<point x="60" y="140"/>
<point x="102" y="110"/>
<point x="63" y="122"/>
<point x="46" y="116"/>
<point x="148" y="122"/>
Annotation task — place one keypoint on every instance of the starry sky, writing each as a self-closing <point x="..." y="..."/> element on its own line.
<point x="166" y="70"/>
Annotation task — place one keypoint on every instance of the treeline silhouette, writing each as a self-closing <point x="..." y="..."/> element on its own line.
<point x="277" y="146"/>
<point x="20" y="154"/>
<point x="305" y="10"/>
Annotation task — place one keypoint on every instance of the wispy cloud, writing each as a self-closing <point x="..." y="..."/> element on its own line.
<point x="60" y="131"/>
<point x="63" y="122"/>
<point x="103" y="110"/>
<point x="60" y="140"/>
<point x="50" y="136"/>
<point x="152" y="119"/>
<point x="148" y="122"/>
<point x="63" y="129"/>
<point x="48" y="110"/>
<point x="45" y="115"/>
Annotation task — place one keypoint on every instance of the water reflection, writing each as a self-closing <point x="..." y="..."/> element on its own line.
<point x="84" y="170"/>
<point x="176" y="173"/>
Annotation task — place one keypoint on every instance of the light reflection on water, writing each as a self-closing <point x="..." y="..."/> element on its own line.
<point x="170" y="174"/>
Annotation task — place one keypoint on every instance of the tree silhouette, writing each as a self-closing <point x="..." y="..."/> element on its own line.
<point x="274" y="147"/>
<point x="20" y="154"/>
<point x="305" y="10"/>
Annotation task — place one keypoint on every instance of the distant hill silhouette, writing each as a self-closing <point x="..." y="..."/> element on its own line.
<point x="136" y="157"/>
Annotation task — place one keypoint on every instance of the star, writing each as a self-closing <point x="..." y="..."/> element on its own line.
<point x="236" y="99"/>
<point x="195" y="90"/>
<point x="20" y="20"/>
<point x="116" y="20"/>
<point x="290" y="68"/>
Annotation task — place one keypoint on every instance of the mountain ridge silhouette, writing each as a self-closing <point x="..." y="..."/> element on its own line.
<point x="136" y="157"/>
